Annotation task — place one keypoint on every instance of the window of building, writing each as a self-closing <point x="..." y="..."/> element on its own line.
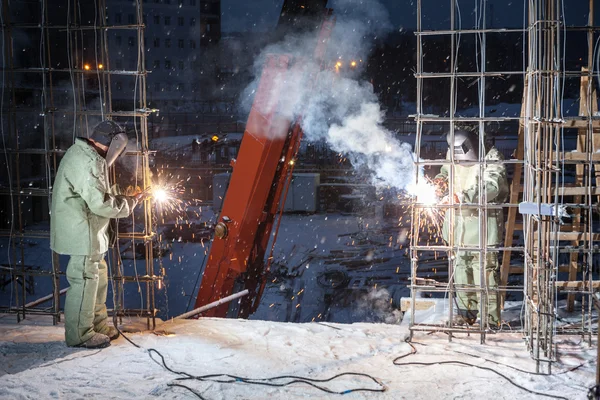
<point x="192" y="44"/>
<point x="167" y="64"/>
<point x="118" y="85"/>
<point x="130" y="19"/>
<point x="168" y="43"/>
<point x="118" y="40"/>
<point x="180" y="21"/>
<point x="118" y="18"/>
<point x="156" y="42"/>
<point x="167" y="1"/>
<point x="181" y="43"/>
<point x="192" y="21"/>
<point x="168" y="87"/>
<point x="156" y="87"/>
<point x="157" y="19"/>
<point x="131" y="41"/>
<point x="180" y="87"/>
<point x="167" y="20"/>
<point x="192" y="2"/>
<point x="119" y="64"/>
<point x="145" y="19"/>
<point x="180" y="63"/>
<point x="131" y="85"/>
<point x="156" y="64"/>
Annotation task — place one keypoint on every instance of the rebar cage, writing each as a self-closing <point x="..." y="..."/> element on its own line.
<point x="56" y="88"/>
<point x="554" y="154"/>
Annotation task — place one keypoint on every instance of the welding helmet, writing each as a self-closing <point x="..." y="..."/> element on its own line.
<point x="466" y="145"/>
<point x="111" y="134"/>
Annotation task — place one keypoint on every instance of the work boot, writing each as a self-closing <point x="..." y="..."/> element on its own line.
<point x="109" y="331"/>
<point x="98" y="341"/>
<point x="461" y="320"/>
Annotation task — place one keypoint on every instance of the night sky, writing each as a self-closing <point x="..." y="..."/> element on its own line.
<point x="261" y="15"/>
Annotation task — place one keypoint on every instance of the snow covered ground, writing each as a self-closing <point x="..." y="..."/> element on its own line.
<point x="35" y="363"/>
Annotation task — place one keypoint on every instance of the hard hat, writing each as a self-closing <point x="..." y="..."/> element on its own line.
<point x="466" y="145"/>
<point x="111" y="134"/>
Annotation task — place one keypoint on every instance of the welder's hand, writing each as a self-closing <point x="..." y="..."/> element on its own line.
<point x="441" y="186"/>
<point x="457" y="199"/>
<point x="132" y="190"/>
<point x="143" y="195"/>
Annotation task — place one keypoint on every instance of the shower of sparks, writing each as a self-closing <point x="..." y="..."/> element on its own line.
<point x="424" y="196"/>
<point x="424" y="192"/>
<point x="168" y="197"/>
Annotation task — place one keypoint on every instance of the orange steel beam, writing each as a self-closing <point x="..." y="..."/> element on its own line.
<point x="260" y="176"/>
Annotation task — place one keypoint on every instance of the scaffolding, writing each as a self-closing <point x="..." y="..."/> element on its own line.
<point x="555" y="152"/>
<point x="54" y="89"/>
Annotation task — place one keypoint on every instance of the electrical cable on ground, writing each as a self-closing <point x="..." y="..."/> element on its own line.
<point x="253" y="381"/>
<point x="466" y="364"/>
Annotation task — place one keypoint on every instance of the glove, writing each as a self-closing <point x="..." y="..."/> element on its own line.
<point x="139" y="197"/>
<point x="457" y="197"/>
<point x="441" y="186"/>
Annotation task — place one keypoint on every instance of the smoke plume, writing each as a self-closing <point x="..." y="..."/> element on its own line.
<point x="337" y="106"/>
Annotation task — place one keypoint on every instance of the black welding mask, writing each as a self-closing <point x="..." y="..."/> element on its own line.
<point x="466" y="145"/>
<point x="111" y="134"/>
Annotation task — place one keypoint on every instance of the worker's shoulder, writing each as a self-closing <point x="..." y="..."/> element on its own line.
<point x="494" y="154"/>
<point x="81" y="156"/>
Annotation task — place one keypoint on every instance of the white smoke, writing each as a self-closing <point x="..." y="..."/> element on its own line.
<point x="339" y="108"/>
<point x="375" y="306"/>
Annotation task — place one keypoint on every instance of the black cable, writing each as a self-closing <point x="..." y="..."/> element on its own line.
<point x="264" y="381"/>
<point x="413" y="351"/>
<point x="465" y="364"/>
<point x="198" y="395"/>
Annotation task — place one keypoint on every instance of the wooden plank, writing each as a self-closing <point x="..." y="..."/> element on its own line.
<point x="578" y="156"/>
<point x="581" y="123"/>
<point x="515" y="189"/>
<point x="579" y="191"/>
<point x="514" y="270"/>
<point x="576" y="284"/>
<point x="587" y="94"/>
<point x="574" y="236"/>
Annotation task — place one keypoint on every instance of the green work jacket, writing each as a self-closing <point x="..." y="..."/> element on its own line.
<point x="466" y="185"/>
<point x="82" y="203"/>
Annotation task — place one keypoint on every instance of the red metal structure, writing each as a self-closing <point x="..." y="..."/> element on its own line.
<point x="261" y="176"/>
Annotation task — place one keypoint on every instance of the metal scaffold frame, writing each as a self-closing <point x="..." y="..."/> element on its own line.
<point x="421" y="246"/>
<point x="90" y="103"/>
<point x="548" y="167"/>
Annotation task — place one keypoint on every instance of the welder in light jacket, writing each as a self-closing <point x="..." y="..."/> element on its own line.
<point x="466" y="189"/>
<point x="82" y="206"/>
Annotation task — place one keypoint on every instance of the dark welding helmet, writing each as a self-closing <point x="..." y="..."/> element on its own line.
<point x="466" y="145"/>
<point x="111" y="134"/>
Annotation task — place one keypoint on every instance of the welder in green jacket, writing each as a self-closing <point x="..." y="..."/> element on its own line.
<point x="82" y="206"/>
<point x="467" y="222"/>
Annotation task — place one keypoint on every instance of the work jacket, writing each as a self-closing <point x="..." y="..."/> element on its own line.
<point x="466" y="186"/>
<point x="82" y="203"/>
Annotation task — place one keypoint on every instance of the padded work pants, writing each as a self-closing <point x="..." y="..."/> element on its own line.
<point x="467" y="275"/>
<point x="85" y="304"/>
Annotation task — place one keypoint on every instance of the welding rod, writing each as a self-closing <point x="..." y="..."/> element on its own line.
<point x="212" y="305"/>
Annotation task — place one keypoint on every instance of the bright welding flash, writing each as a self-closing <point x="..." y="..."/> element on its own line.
<point x="160" y="195"/>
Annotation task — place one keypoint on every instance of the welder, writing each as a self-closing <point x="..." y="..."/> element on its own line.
<point x="479" y="178"/>
<point x="83" y="203"/>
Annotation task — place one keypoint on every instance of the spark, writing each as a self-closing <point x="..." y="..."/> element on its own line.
<point x="425" y="193"/>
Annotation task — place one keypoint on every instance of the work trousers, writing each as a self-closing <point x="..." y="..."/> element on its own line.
<point x="466" y="275"/>
<point x="85" y="305"/>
